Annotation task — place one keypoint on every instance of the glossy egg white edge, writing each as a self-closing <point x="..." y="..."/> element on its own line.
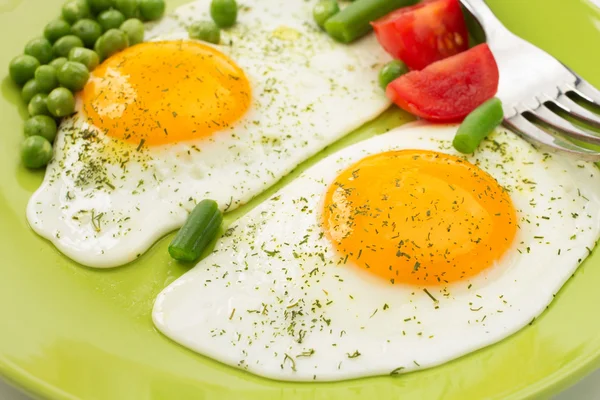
<point x="308" y="91"/>
<point x="274" y="299"/>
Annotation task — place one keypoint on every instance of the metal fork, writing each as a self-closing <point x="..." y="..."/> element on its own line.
<point x="530" y="81"/>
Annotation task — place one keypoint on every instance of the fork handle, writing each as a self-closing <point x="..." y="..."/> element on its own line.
<point x="491" y="25"/>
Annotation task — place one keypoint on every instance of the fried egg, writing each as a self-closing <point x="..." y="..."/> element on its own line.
<point x="170" y="122"/>
<point x="392" y="255"/>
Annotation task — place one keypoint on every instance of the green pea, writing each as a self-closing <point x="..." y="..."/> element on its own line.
<point x="110" y="19"/>
<point x="113" y="41"/>
<point x="36" y="152"/>
<point x="391" y="71"/>
<point x="63" y="46"/>
<point x="152" y="10"/>
<point x="207" y="31"/>
<point x="46" y="79"/>
<point x="56" y="29"/>
<point x="41" y="125"/>
<point x="61" y="102"/>
<point x="22" y="68"/>
<point x="134" y="28"/>
<point x="129" y="8"/>
<point x="39" y="48"/>
<point x="37" y="105"/>
<point x="87" y="30"/>
<point x="97" y="47"/>
<point x="73" y="75"/>
<point x="224" y="12"/>
<point x="74" y="10"/>
<point x="29" y="90"/>
<point x="60" y="61"/>
<point x="87" y="57"/>
<point x="324" y="10"/>
<point x="98" y="6"/>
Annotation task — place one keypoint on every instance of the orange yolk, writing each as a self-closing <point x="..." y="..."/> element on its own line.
<point x="419" y="217"/>
<point x="164" y="92"/>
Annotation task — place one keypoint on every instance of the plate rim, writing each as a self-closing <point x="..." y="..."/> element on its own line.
<point x="568" y="374"/>
<point x="552" y="384"/>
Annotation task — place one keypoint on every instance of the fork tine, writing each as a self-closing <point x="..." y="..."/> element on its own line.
<point x="523" y="127"/>
<point x="587" y="91"/>
<point x="576" y="110"/>
<point x="546" y="115"/>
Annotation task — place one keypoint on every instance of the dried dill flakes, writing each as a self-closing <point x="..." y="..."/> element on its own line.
<point x="354" y="355"/>
<point x="292" y="361"/>
<point x="430" y="295"/>
<point x="306" y="353"/>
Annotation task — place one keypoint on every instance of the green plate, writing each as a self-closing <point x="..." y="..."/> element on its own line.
<point x="68" y="332"/>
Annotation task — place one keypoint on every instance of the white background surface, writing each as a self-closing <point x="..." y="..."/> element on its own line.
<point x="587" y="389"/>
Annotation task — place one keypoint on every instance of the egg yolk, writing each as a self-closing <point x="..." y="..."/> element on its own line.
<point x="163" y="92"/>
<point x="418" y="217"/>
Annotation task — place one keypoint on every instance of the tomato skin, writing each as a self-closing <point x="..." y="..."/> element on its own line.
<point x="424" y="33"/>
<point x="448" y="90"/>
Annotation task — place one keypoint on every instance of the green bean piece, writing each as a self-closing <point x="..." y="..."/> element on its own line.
<point x="224" y="12"/>
<point x="354" y="21"/>
<point x="324" y="10"/>
<point x="207" y="31"/>
<point x="391" y="71"/>
<point x="37" y="105"/>
<point x="29" y="90"/>
<point x="110" y="19"/>
<point x="200" y="228"/>
<point x="477" y="125"/>
<point x="87" y="30"/>
<point x="134" y="28"/>
<point x="41" y="125"/>
<point x="151" y="10"/>
<point x="63" y="46"/>
<point x="56" y="29"/>
<point x="87" y="57"/>
<point x="61" y="102"/>
<point x="46" y="79"/>
<point x="22" y="68"/>
<point x="74" y="10"/>
<point x="36" y="152"/>
<point x="39" y="48"/>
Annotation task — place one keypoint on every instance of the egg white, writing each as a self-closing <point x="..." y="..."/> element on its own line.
<point x="103" y="203"/>
<point x="275" y="299"/>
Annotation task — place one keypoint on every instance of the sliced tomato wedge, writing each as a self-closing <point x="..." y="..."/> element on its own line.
<point x="424" y="33"/>
<point x="448" y="90"/>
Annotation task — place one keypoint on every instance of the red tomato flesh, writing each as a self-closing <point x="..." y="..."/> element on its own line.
<point x="424" y="33"/>
<point x="450" y="89"/>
